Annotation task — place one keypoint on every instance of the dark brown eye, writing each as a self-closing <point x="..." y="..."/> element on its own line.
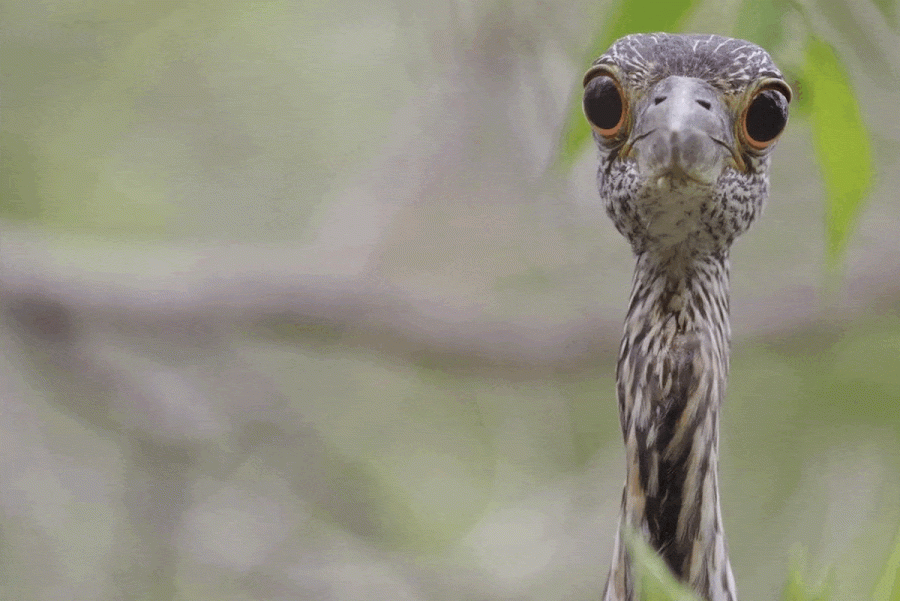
<point x="604" y="105"/>
<point x="765" y="118"/>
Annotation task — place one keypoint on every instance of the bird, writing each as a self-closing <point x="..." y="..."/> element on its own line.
<point x="685" y="125"/>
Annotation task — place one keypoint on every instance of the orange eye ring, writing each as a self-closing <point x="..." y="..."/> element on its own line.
<point x="765" y="115"/>
<point x="604" y="103"/>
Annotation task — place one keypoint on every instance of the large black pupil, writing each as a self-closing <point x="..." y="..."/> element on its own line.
<point x="602" y="102"/>
<point x="766" y="116"/>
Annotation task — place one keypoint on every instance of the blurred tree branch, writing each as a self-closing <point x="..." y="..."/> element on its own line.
<point x="269" y="291"/>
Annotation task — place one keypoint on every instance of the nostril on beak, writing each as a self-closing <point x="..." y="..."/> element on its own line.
<point x="676" y="131"/>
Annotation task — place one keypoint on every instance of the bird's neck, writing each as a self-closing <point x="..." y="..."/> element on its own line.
<point x="671" y="375"/>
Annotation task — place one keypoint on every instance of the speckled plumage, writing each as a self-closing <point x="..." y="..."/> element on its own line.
<point x="673" y="360"/>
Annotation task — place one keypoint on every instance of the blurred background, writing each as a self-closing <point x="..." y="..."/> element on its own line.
<point x="295" y="307"/>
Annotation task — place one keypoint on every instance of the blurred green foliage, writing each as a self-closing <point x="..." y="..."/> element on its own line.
<point x="110" y="107"/>
<point x="657" y="583"/>
<point x="888" y="586"/>
<point x="760" y="22"/>
<point x="799" y="590"/>
<point x="19" y="197"/>
<point x="841" y="142"/>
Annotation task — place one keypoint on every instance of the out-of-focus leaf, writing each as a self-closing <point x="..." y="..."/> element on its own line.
<point x="759" y="21"/>
<point x="82" y="182"/>
<point x="645" y="16"/>
<point x="631" y="16"/>
<point x="801" y="101"/>
<point x="888" y="8"/>
<point x="888" y="587"/>
<point x="18" y="179"/>
<point x="855" y="27"/>
<point x="841" y="143"/>
<point x="798" y="590"/>
<point x="657" y="583"/>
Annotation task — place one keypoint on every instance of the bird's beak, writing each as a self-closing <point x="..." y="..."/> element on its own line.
<point x="683" y="133"/>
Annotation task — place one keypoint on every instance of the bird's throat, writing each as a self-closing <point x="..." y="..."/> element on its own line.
<point x="671" y="376"/>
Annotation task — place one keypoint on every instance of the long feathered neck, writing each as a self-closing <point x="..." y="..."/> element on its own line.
<point x="671" y="374"/>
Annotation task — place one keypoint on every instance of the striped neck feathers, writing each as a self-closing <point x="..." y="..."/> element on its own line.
<point x="671" y="373"/>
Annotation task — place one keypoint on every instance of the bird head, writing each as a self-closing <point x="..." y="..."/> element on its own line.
<point x="685" y="125"/>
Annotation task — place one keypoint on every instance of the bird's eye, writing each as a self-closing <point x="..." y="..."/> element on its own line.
<point x="765" y="118"/>
<point x="604" y="105"/>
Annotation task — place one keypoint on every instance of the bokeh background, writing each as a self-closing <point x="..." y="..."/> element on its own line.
<point x="295" y="307"/>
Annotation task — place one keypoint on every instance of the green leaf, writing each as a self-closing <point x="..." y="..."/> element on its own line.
<point x="646" y="16"/>
<point x="888" y="9"/>
<point x="801" y="103"/>
<point x="655" y="579"/>
<point x="846" y="22"/>
<point x="841" y="142"/>
<point x="798" y="590"/>
<point x="574" y="137"/>
<point x="631" y="16"/>
<point x="759" y="21"/>
<point x="888" y="587"/>
<point x="18" y="179"/>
